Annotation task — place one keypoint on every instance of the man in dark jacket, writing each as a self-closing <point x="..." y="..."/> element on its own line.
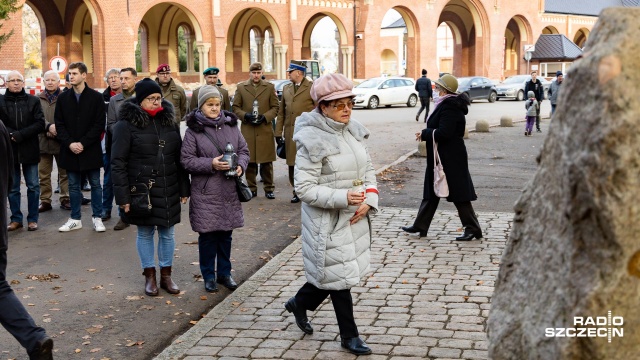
<point x="13" y="316"/>
<point x="554" y="91"/>
<point x="80" y="121"/>
<point x="22" y="116"/>
<point x="425" y="92"/>
<point x="535" y="85"/>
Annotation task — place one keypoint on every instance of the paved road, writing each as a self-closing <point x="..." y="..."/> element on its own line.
<point x="94" y="300"/>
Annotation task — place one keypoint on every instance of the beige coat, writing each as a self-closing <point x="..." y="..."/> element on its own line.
<point x="291" y="106"/>
<point x="260" y="138"/>
<point x="174" y="94"/>
<point x="226" y="102"/>
<point x="48" y="145"/>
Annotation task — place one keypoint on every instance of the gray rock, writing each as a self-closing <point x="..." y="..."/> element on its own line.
<point x="482" y="126"/>
<point x="506" y="121"/>
<point x="574" y="249"/>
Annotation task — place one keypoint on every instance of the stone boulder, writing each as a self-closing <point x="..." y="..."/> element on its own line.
<point x="574" y="249"/>
<point x="482" y="126"/>
<point x="506" y="121"/>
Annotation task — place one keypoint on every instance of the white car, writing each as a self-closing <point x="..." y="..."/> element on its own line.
<point x="386" y="91"/>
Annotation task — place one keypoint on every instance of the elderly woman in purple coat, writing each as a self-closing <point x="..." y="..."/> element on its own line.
<point x="214" y="209"/>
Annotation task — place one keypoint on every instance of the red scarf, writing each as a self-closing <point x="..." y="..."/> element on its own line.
<point x="155" y="112"/>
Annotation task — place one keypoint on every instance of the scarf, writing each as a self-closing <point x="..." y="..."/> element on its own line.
<point x="207" y="121"/>
<point x="153" y="113"/>
<point x="441" y="98"/>
<point x="51" y="98"/>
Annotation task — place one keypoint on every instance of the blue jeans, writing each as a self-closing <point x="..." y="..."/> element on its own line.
<point x="30" y="172"/>
<point x="166" y="245"/>
<point x="107" y="186"/>
<point x="553" y="108"/>
<point x="215" y="245"/>
<point x="75" y="195"/>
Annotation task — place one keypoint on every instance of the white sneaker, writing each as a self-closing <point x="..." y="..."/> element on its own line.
<point x="71" y="225"/>
<point x="98" y="225"/>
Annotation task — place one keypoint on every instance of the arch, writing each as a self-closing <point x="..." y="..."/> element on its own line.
<point x="517" y="33"/>
<point x="468" y="21"/>
<point x="328" y="59"/>
<point x="44" y="58"/>
<point x="142" y="48"/>
<point x="581" y="37"/>
<point x="410" y="43"/>
<point x="389" y="62"/>
<point x="313" y="21"/>
<point x="550" y="30"/>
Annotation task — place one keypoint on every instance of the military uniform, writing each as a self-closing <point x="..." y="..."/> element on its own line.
<point x="174" y="94"/>
<point x="260" y="138"/>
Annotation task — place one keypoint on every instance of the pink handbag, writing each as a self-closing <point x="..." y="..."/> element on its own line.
<point x="440" y="186"/>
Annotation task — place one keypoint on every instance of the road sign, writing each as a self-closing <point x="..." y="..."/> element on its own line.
<point x="58" y="64"/>
<point x="527" y="55"/>
<point x="530" y="48"/>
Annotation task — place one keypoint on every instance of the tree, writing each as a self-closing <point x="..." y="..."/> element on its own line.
<point x="7" y="7"/>
<point x="31" y="39"/>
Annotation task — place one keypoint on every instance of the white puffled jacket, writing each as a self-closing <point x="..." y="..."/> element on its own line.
<point x="330" y="155"/>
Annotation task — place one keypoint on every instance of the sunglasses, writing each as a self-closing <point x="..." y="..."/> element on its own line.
<point x="341" y="106"/>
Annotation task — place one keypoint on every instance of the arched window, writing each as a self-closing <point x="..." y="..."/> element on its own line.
<point x="188" y="60"/>
<point x="255" y="46"/>
<point x="142" y="49"/>
<point x="267" y="50"/>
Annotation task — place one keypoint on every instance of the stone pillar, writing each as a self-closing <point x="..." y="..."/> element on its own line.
<point x="572" y="260"/>
<point x="203" y="53"/>
<point x="347" y="61"/>
<point x="259" y="50"/>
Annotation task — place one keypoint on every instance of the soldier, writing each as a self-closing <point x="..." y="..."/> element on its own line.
<point x="256" y="104"/>
<point x="296" y="99"/>
<point x="172" y="92"/>
<point x="211" y="78"/>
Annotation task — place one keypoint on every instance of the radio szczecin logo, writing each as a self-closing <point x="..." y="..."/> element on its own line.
<point x="599" y="326"/>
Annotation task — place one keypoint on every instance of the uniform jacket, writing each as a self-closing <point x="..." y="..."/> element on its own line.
<point x="537" y="88"/>
<point x="554" y="91"/>
<point x="330" y="156"/>
<point x="48" y="145"/>
<point x="80" y="122"/>
<point x="134" y="155"/>
<point x="260" y="138"/>
<point x="22" y="115"/>
<point x="291" y="106"/>
<point x="214" y="204"/>
<point x="6" y="173"/>
<point x="175" y="94"/>
<point x="448" y="121"/>
<point x="226" y="101"/>
<point x="423" y="87"/>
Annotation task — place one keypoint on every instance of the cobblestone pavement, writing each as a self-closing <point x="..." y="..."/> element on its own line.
<point x="427" y="298"/>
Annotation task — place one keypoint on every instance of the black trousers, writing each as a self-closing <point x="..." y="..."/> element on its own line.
<point x="291" y="173"/>
<point x="424" y="104"/>
<point x="538" y="116"/>
<point x="465" y="211"/>
<point x="13" y="316"/>
<point x="310" y="297"/>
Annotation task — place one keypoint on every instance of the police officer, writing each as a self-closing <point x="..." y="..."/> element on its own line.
<point x="256" y="104"/>
<point x="296" y="99"/>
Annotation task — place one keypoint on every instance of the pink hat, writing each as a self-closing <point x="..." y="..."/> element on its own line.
<point x="331" y="87"/>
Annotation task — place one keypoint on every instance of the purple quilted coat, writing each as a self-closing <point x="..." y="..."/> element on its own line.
<point x="214" y="204"/>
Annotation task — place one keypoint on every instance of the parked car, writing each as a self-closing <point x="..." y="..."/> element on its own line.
<point x="279" y="85"/>
<point x="386" y="91"/>
<point x="513" y="87"/>
<point x="478" y="88"/>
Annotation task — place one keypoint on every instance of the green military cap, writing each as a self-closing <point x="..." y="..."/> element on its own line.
<point x="211" y="71"/>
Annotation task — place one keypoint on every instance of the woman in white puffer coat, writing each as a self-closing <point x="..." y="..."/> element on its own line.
<point x="331" y="161"/>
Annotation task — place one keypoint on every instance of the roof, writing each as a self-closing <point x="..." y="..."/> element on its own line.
<point x="584" y="7"/>
<point x="555" y="47"/>
<point x="396" y="24"/>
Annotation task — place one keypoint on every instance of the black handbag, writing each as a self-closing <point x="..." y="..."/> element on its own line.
<point x="281" y="150"/>
<point x="242" y="189"/>
<point x="139" y="192"/>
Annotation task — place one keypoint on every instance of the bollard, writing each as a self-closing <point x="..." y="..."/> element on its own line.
<point x="422" y="148"/>
<point x="466" y="133"/>
<point x="482" y="126"/>
<point x="506" y="121"/>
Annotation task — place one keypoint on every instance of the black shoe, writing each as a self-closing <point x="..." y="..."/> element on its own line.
<point x="300" y="314"/>
<point x="56" y="191"/>
<point x="86" y="201"/>
<point x="412" y="230"/>
<point x="106" y="216"/>
<point x="468" y="237"/>
<point x="295" y="199"/>
<point x="270" y="195"/>
<point x="538" y="130"/>
<point x="210" y="285"/>
<point x="254" y="194"/>
<point x="227" y="281"/>
<point x="417" y="117"/>
<point x="43" y="349"/>
<point x="356" y="346"/>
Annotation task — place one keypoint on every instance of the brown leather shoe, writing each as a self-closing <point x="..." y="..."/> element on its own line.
<point x="166" y="282"/>
<point x="44" y="206"/>
<point x="65" y="204"/>
<point x="32" y="226"/>
<point x="150" y="284"/>
<point x="14" y="226"/>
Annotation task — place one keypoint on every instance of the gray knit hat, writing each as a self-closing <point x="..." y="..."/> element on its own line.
<point x="206" y="92"/>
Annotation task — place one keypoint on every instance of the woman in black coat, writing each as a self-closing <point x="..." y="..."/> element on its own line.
<point x="448" y="122"/>
<point x="146" y="147"/>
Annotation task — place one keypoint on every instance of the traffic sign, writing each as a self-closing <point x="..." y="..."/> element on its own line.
<point x="58" y="64"/>
<point x="530" y="48"/>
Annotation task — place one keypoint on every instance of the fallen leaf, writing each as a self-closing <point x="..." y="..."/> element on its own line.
<point x="168" y="302"/>
<point x="195" y="263"/>
<point x="94" y="350"/>
<point x="91" y="270"/>
<point x="77" y="351"/>
<point x="97" y="287"/>
<point x="134" y="297"/>
<point x="193" y="322"/>
<point x="203" y="297"/>
<point x="86" y="343"/>
<point x="146" y="307"/>
<point x="405" y="281"/>
<point x="15" y="282"/>
<point x="47" y="320"/>
<point x="30" y="304"/>
<point x="235" y="303"/>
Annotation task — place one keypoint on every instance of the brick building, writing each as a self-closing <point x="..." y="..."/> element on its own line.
<point x="488" y="35"/>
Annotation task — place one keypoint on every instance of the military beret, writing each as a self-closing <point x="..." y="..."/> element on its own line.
<point x="163" y="68"/>
<point x="256" y="66"/>
<point x="211" y="71"/>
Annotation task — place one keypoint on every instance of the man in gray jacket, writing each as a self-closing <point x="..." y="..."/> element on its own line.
<point x="554" y="91"/>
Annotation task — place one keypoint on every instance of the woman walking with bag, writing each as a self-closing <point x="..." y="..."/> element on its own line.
<point x="336" y="182"/>
<point x="214" y="210"/>
<point x="446" y="125"/>
<point x="145" y="168"/>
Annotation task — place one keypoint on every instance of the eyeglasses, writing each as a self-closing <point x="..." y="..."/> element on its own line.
<point x="341" y="106"/>
<point x="154" y="99"/>
<point x="17" y="81"/>
<point x="164" y="74"/>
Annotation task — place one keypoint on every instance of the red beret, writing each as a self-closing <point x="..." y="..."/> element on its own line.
<point x="163" y="68"/>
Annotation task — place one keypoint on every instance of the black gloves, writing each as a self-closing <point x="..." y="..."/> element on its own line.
<point x="261" y="119"/>
<point x="249" y="118"/>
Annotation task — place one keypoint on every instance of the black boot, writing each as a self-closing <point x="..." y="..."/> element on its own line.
<point x="43" y="349"/>
<point x="300" y="314"/>
<point x="210" y="285"/>
<point x="355" y="345"/>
